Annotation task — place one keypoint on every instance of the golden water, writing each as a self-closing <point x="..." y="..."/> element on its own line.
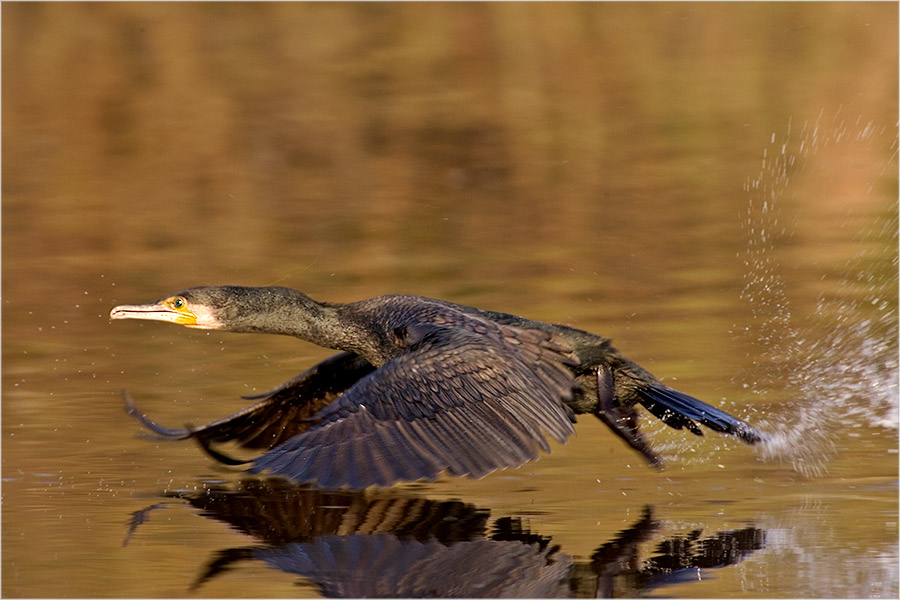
<point x="713" y="186"/>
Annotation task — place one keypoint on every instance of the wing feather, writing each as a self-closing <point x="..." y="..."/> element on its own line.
<point x="281" y="413"/>
<point x="468" y="403"/>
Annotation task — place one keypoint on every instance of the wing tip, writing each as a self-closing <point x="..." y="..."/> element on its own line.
<point x="205" y="445"/>
<point x="132" y="410"/>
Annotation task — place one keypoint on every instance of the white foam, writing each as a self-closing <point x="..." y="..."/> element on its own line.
<point x="840" y="362"/>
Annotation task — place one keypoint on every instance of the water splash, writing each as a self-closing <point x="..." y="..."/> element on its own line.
<point x="839" y="361"/>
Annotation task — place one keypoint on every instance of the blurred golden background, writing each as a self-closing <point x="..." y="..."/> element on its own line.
<point x="640" y="170"/>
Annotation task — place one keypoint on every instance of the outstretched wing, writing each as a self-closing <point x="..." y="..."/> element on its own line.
<point x="452" y="400"/>
<point x="281" y="413"/>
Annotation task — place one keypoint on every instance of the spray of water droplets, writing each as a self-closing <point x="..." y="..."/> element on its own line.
<point x="838" y="363"/>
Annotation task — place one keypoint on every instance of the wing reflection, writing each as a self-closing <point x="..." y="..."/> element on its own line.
<point x="359" y="544"/>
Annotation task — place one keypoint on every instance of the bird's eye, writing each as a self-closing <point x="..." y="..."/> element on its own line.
<point x="178" y="302"/>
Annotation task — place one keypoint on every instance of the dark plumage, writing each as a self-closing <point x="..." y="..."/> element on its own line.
<point x="421" y="386"/>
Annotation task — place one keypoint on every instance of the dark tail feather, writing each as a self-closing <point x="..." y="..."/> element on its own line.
<point x="679" y="410"/>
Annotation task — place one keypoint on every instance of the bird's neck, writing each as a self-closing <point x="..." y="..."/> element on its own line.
<point x="339" y="327"/>
<point x="289" y="312"/>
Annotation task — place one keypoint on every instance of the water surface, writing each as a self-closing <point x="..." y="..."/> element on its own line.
<point x="712" y="186"/>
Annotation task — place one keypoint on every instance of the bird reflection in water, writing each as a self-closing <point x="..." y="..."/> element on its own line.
<point x="356" y="544"/>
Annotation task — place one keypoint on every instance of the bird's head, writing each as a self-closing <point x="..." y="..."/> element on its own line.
<point x="198" y="307"/>
<point x="233" y="308"/>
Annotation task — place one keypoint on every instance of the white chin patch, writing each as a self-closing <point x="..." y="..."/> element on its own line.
<point x="204" y="319"/>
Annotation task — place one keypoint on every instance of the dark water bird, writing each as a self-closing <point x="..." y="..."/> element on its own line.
<point x="421" y="386"/>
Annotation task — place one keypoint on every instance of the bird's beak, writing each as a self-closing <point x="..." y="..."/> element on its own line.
<point x="154" y="312"/>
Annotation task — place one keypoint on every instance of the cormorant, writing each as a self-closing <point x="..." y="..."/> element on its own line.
<point x="420" y="386"/>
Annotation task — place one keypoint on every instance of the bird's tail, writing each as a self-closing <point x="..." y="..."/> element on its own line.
<point x="678" y="410"/>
